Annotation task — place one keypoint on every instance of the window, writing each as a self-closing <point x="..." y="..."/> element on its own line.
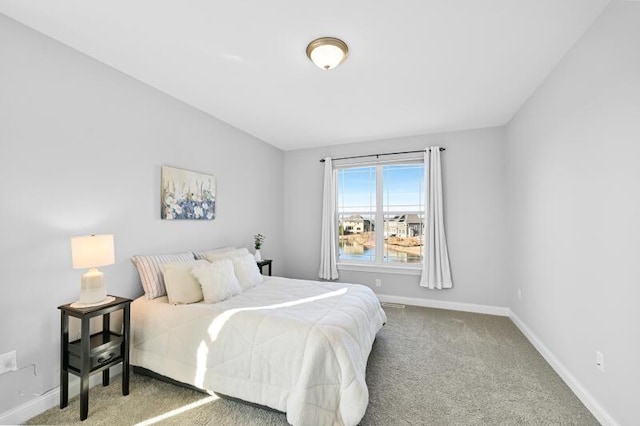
<point x="380" y="212"/>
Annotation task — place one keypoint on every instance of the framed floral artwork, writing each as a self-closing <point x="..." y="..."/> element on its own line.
<point x="187" y="195"/>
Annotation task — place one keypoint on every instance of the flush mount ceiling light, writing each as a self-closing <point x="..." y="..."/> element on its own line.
<point x="327" y="52"/>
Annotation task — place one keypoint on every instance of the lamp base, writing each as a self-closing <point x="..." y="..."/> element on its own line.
<point x="92" y="289"/>
<point x="79" y="304"/>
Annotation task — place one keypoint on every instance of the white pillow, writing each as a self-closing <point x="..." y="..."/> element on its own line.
<point x="150" y="274"/>
<point x="217" y="280"/>
<point x="247" y="271"/>
<point x="182" y="287"/>
<point x="201" y="254"/>
<point x="214" y="256"/>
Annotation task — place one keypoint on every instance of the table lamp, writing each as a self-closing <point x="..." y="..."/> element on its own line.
<point x="90" y="252"/>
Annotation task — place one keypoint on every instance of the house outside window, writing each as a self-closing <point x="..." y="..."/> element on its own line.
<point x="388" y="194"/>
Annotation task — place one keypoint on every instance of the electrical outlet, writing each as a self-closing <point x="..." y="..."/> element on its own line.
<point x="8" y="362"/>
<point x="519" y="294"/>
<point x="378" y="282"/>
<point x="600" y="361"/>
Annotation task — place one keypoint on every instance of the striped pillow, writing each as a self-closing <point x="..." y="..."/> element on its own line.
<point x="151" y="273"/>
<point x="229" y="254"/>
<point x="202" y="254"/>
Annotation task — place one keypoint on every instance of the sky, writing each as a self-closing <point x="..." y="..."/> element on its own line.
<point x="403" y="188"/>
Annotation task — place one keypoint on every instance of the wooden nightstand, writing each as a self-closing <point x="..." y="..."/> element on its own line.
<point x="93" y="353"/>
<point x="264" y="262"/>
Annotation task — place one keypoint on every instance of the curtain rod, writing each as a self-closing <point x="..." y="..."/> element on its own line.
<point x="377" y="155"/>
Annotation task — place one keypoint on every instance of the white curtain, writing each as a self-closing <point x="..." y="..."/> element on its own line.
<point x="328" y="250"/>
<point x="436" y="272"/>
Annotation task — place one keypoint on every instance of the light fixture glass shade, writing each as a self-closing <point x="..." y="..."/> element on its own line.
<point x="327" y="52"/>
<point x="90" y="252"/>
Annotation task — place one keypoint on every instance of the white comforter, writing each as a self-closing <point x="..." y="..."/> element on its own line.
<point x="298" y="346"/>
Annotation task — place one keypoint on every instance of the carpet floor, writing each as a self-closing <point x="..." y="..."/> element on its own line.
<point x="427" y="367"/>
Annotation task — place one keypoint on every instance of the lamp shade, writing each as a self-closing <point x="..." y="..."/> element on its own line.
<point x="327" y="52"/>
<point x="92" y="251"/>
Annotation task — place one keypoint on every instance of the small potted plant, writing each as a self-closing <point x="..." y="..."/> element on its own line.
<point x="258" y="239"/>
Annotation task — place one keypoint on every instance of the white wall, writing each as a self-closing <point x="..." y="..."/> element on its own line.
<point x="573" y="155"/>
<point x="81" y="147"/>
<point x="474" y="183"/>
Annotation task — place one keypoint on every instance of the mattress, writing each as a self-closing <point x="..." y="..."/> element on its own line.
<point x="297" y="346"/>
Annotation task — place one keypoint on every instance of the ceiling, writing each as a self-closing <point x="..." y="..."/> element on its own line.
<point x="415" y="66"/>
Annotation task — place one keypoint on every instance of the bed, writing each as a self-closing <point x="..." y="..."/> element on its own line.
<point x="296" y="346"/>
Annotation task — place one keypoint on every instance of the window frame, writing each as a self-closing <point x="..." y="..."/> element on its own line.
<point x="378" y="264"/>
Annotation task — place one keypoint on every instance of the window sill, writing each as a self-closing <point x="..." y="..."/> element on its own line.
<point x="382" y="269"/>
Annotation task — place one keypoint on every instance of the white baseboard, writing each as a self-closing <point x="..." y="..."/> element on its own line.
<point x="24" y="412"/>
<point x="441" y="304"/>
<point x="587" y="399"/>
<point x="42" y="403"/>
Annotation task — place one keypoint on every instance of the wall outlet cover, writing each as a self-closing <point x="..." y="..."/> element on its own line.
<point x="8" y="362"/>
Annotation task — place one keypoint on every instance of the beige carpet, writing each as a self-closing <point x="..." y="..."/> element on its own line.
<point x="427" y="367"/>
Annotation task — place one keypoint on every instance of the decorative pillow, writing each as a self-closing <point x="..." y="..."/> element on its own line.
<point x="217" y="280"/>
<point x="212" y="257"/>
<point x="182" y="287"/>
<point x="247" y="271"/>
<point x="150" y="273"/>
<point x="199" y="255"/>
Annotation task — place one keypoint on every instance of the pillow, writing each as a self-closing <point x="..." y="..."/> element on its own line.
<point x="217" y="280"/>
<point x="212" y="257"/>
<point x="150" y="273"/>
<point x="182" y="287"/>
<point x="199" y="255"/>
<point x="247" y="271"/>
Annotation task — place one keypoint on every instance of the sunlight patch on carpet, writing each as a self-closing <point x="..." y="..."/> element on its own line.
<point x="177" y="411"/>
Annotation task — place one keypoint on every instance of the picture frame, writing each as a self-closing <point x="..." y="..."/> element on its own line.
<point x="187" y="195"/>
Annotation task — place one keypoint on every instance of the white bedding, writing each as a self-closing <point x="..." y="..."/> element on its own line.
<point x="297" y="346"/>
